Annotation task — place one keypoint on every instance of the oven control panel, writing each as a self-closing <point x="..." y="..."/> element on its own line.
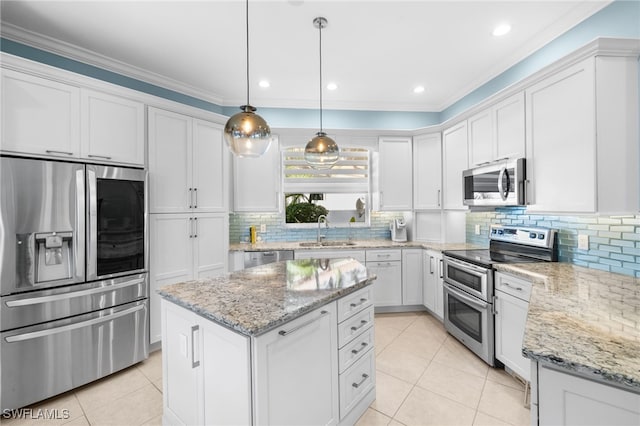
<point x="530" y="236"/>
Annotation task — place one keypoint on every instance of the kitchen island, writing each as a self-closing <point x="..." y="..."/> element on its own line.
<point x="286" y="343"/>
<point x="583" y="337"/>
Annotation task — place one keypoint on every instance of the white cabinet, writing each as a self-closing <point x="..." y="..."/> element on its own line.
<point x="387" y="265"/>
<point x="412" y="277"/>
<point x="257" y="182"/>
<point x="296" y="371"/>
<point x="395" y="173"/>
<point x="498" y="132"/>
<point x="454" y="162"/>
<point x="184" y="247"/>
<point x="112" y="128"/>
<point x="565" y="399"/>
<point x="39" y="116"/>
<point x="188" y="164"/>
<point x="358" y="255"/>
<point x="582" y="138"/>
<point x="433" y="288"/>
<point x="427" y="172"/>
<point x="511" y="306"/>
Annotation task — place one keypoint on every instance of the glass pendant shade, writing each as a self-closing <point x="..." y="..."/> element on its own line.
<point x="247" y="134"/>
<point x="321" y="152"/>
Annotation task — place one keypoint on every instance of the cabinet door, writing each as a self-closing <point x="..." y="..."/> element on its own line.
<point x="39" y="116"/>
<point x="181" y="370"/>
<point x="169" y="162"/>
<point x="171" y="259"/>
<point x="210" y="237"/>
<point x="561" y="141"/>
<point x="427" y="172"/>
<point x="508" y="127"/>
<point x="395" y="178"/>
<point x="439" y="300"/>
<point x="296" y="369"/>
<point x="112" y="128"/>
<point x="387" y="288"/>
<point x="481" y="146"/>
<point x="510" y="321"/>
<point x="455" y="161"/>
<point x="433" y="290"/>
<point x="412" y="277"/>
<point x="257" y="182"/>
<point x="209" y="168"/>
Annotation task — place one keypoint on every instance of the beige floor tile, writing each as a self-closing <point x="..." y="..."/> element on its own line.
<point x="498" y="375"/>
<point x="110" y="388"/>
<point x="134" y="408"/>
<point x="424" y="346"/>
<point x="57" y="411"/>
<point x="158" y="384"/>
<point x="394" y="422"/>
<point x="384" y="335"/>
<point x="452" y="383"/>
<point x="401" y="364"/>
<point x="390" y="392"/>
<point x="156" y="421"/>
<point x="427" y="326"/>
<point x="80" y="421"/>
<point x="427" y="408"/>
<point x="504" y="403"/>
<point x="372" y="417"/>
<point x="486" y="420"/>
<point x="453" y="354"/>
<point x="399" y="321"/>
<point x="152" y="366"/>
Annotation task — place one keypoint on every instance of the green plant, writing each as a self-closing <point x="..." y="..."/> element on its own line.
<point x="300" y="210"/>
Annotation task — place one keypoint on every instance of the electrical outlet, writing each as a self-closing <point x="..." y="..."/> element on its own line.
<point x="263" y="227"/>
<point x="583" y="242"/>
<point x="477" y="229"/>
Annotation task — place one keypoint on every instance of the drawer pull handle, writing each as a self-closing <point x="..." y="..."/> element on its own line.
<point x="362" y="301"/>
<point x="304" y="324"/>
<point x="106" y="157"/>
<point x="364" y="377"/>
<point x="362" y="346"/>
<point x="50" y="151"/>
<point x="362" y="324"/>
<point x="513" y="286"/>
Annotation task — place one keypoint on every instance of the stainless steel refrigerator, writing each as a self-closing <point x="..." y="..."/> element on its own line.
<point x="73" y="275"/>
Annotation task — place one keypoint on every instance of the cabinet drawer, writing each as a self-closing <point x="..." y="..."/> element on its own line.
<point x="356" y="381"/>
<point x="514" y="286"/>
<point x="358" y="255"/>
<point x="354" y="303"/>
<point x="354" y="326"/>
<point x="356" y="349"/>
<point x="383" y="255"/>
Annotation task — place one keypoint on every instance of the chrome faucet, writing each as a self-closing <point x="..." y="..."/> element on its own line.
<point x="322" y="218"/>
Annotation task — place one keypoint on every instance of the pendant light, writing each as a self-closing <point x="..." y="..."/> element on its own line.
<point x="247" y="134"/>
<point x="321" y="152"/>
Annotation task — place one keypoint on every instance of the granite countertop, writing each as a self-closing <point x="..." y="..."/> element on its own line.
<point x="583" y="320"/>
<point x="357" y="244"/>
<point x="255" y="300"/>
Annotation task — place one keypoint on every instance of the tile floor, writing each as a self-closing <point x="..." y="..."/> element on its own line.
<point x="424" y="377"/>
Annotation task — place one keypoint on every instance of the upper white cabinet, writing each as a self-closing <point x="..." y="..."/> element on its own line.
<point x="112" y="128"/>
<point x="498" y="132"/>
<point x="39" y="116"/>
<point x="257" y="181"/>
<point x="427" y="172"/>
<point x="455" y="161"/>
<point x="44" y="117"/>
<point x="187" y="164"/>
<point x="395" y="173"/>
<point x="582" y="138"/>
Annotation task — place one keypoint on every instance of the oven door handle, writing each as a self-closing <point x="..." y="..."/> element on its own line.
<point x="468" y="267"/>
<point x="469" y="299"/>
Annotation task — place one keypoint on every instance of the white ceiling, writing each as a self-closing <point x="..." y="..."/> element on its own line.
<point x="375" y="51"/>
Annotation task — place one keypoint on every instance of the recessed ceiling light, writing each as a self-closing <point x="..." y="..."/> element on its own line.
<point x="501" y="30"/>
<point x="332" y="86"/>
<point x="418" y="89"/>
<point x="264" y="84"/>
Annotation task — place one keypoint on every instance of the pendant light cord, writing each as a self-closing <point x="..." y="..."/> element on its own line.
<point x="247" y="24"/>
<point x="320" y="28"/>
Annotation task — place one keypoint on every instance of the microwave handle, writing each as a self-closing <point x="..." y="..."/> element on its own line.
<point x="92" y="225"/>
<point x="504" y="192"/>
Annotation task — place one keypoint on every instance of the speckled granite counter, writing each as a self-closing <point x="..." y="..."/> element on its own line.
<point x="358" y="244"/>
<point x="583" y="320"/>
<point x="255" y="300"/>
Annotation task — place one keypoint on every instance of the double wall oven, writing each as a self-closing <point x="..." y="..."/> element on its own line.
<point x="73" y="271"/>
<point x="468" y="282"/>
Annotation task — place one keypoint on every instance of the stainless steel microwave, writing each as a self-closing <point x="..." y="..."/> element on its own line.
<point x="501" y="183"/>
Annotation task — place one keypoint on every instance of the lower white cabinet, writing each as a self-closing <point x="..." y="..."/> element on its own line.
<point x="412" y="277"/>
<point x="358" y="255"/>
<point x="432" y="281"/>
<point x="566" y="399"/>
<point x="184" y="247"/>
<point x="387" y="266"/>
<point x="511" y="305"/>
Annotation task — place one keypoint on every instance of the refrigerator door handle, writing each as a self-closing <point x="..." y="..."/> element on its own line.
<point x="92" y="225"/>
<point x="79" y="237"/>
<point x="49" y="332"/>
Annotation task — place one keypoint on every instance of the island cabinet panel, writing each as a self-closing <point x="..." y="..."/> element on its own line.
<point x="296" y="369"/>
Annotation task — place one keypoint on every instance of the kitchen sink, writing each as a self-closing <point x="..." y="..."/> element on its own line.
<point x="327" y="244"/>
